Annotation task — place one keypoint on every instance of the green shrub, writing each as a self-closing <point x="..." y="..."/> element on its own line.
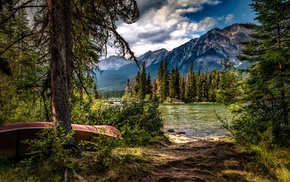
<point x="139" y="123"/>
<point x="50" y="161"/>
<point x="274" y="162"/>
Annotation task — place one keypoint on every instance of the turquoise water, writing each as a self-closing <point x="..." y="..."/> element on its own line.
<point x="195" y="120"/>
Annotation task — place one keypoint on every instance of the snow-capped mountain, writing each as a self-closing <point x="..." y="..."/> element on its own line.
<point x="205" y="52"/>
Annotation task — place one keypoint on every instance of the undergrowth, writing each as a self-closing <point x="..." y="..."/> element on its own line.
<point x="273" y="161"/>
<point x="139" y="123"/>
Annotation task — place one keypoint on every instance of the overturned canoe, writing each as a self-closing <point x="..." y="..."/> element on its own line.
<point x="12" y="134"/>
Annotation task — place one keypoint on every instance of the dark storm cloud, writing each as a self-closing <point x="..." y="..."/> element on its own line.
<point x="155" y="36"/>
<point x="170" y="23"/>
<point x="146" y="5"/>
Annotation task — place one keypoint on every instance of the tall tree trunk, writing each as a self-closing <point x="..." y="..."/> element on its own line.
<point x="61" y="60"/>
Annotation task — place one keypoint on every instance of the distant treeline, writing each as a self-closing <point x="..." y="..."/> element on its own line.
<point x="112" y="94"/>
<point x="193" y="87"/>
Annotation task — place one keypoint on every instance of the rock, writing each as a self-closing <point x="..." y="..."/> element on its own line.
<point x="171" y="130"/>
<point x="180" y="133"/>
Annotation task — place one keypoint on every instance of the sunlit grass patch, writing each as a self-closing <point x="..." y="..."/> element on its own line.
<point x="283" y="174"/>
<point x="276" y="162"/>
<point x="234" y="175"/>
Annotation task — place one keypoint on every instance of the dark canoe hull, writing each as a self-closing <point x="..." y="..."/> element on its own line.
<point x="12" y="134"/>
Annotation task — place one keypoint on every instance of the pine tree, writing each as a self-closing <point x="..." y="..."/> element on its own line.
<point x="149" y="86"/>
<point x="190" y="89"/>
<point x="159" y="81"/>
<point x="182" y="88"/>
<point x="165" y="80"/>
<point x="22" y="75"/>
<point x="128" y="89"/>
<point x="143" y="82"/>
<point x="199" y="82"/>
<point x="137" y="85"/>
<point x="265" y="108"/>
<point x="154" y="86"/>
<point x="57" y="21"/>
<point x="204" y="87"/>
<point x="227" y="90"/>
<point x="174" y="84"/>
<point x="213" y="83"/>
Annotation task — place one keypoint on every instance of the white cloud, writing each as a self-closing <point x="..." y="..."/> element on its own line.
<point x="166" y="19"/>
<point x="229" y="18"/>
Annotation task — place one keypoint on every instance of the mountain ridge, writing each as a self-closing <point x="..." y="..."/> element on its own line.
<point x="205" y="52"/>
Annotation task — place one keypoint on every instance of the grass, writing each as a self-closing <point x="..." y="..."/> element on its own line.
<point x="275" y="161"/>
<point x="256" y="164"/>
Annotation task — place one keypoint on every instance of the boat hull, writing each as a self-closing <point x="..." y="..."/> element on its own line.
<point x="12" y="135"/>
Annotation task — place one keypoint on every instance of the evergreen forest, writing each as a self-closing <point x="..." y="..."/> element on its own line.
<point x="215" y="86"/>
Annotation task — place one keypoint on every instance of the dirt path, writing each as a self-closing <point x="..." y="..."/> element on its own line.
<point x="200" y="161"/>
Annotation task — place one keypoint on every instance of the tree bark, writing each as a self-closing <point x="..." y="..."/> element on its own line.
<point x="60" y="27"/>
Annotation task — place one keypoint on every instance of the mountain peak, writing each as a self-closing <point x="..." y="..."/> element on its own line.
<point x="206" y="51"/>
<point x="113" y="63"/>
<point x="150" y="57"/>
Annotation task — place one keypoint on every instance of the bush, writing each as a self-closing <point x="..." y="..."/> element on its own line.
<point x="139" y="123"/>
<point x="51" y="161"/>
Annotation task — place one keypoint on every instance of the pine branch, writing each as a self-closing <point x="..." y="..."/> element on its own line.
<point x="15" y="42"/>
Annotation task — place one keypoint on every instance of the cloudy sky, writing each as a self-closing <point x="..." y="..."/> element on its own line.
<point x="170" y="23"/>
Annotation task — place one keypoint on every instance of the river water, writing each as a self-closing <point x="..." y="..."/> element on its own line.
<point x="190" y="122"/>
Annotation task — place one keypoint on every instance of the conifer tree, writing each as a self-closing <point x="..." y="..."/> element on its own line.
<point x="212" y="81"/>
<point x="174" y="84"/>
<point x="128" y="89"/>
<point x="56" y="22"/>
<point x="21" y="75"/>
<point x="143" y="82"/>
<point x="149" y="86"/>
<point x="199" y="82"/>
<point x="182" y="88"/>
<point x="265" y="107"/>
<point x="154" y="86"/>
<point x="159" y="81"/>
<point x="190" y="89"/>
<point x="165" y="80"/>
<point x="137" y="85"/>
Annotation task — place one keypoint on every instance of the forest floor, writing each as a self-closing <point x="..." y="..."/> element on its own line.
<point x="200" y="161"/>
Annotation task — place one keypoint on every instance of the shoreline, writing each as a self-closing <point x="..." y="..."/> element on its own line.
<point x="182" y="139"/>
<point x="189" y="103"/>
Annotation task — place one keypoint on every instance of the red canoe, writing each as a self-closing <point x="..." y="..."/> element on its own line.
<point x="12" y="134"/>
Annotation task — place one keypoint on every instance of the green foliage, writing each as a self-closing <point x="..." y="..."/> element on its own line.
<point x="274" y="162"/>
<point x="50" y="161"/>
<point x="174" y="89"/>
<point x="49" y="144"/>
<point x="228" y="89"/>
<point x="141" y="89"/>
<point x="22" y="75"/>
<point x="4" y="163"/>
<point x="215" y="86"/>
<point x="163" y="80"/>
<point x="264" y="111"/>
<point x="139" y="123"/>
